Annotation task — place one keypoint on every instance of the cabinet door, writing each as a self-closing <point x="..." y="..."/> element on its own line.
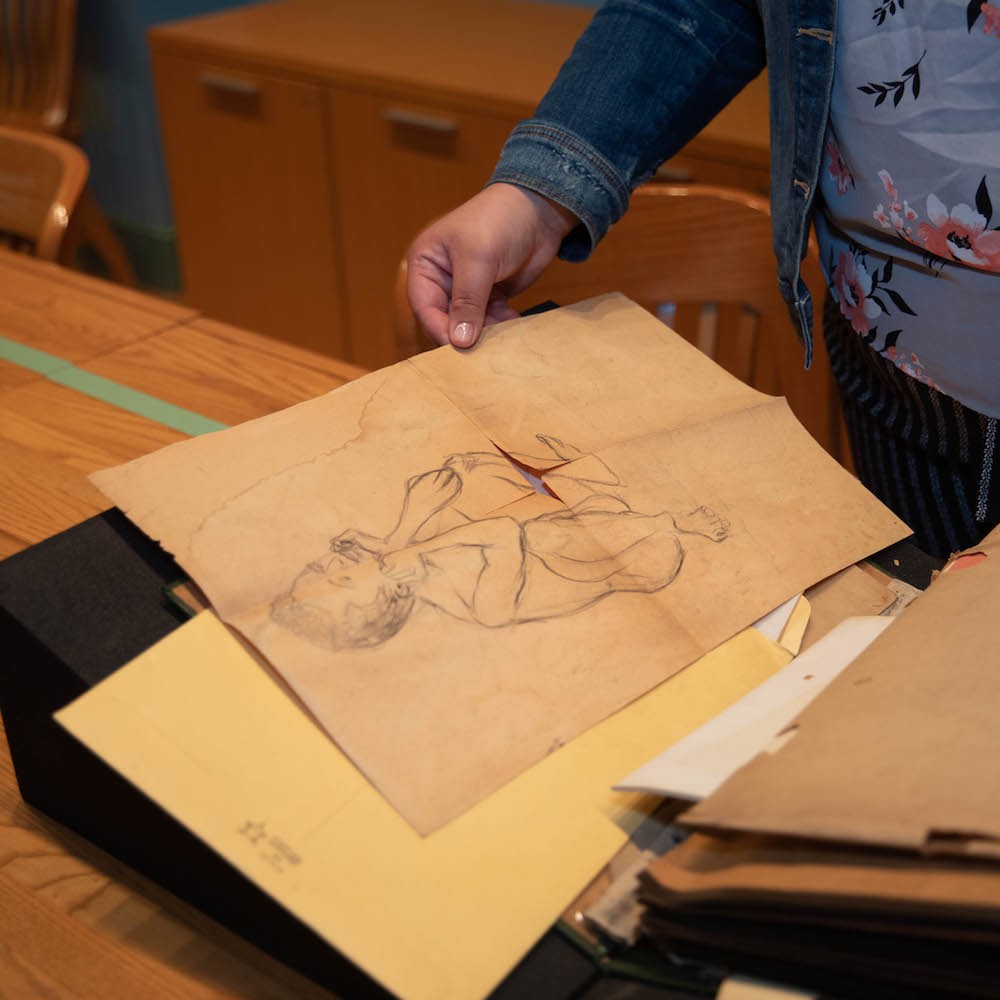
<point x="398" y="166"/>
<point x="250" y="180"/>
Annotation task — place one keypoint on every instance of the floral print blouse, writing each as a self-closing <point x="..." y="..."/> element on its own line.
<point x="910" y="229"/>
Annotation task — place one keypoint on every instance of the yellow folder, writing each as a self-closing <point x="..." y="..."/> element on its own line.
<point x="201" y="728"/>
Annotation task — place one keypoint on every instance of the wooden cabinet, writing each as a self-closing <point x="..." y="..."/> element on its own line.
<point x="308" y="141"/>
<point x="253" y="200"/>
<point x="417" y="162"/>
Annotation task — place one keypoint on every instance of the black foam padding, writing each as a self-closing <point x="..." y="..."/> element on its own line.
<point x="93" y="594"/>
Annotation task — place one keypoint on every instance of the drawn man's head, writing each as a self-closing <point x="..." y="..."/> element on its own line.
<point x="345" y="601"/>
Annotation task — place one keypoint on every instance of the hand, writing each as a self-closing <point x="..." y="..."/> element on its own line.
<point x="433" y="491"/>
<point x="404" y="567"/>
<point x="463" y="268"/>
<point x="350" y="543"/>
<point x="426" y="495"/>
<point x="464" y="462"/>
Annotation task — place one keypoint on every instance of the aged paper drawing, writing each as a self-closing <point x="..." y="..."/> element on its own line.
<point x="363" y="590"/>
<point x="445" y="623"/>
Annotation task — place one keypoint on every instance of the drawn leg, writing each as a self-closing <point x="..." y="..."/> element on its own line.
<point x="627" y="551"/>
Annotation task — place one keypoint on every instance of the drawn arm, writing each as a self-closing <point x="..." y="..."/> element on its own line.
<point x="426" y="495"/>
<point x="489" y="595"/>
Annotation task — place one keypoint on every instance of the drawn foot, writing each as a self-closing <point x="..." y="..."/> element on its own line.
<point x="703" y="521"/>
<point x="560" y="449"/>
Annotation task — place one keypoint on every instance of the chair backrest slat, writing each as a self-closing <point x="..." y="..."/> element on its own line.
<point x="41" y="178"/>
<point x="37" y="40"/>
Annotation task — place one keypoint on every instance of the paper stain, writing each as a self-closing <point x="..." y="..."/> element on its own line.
<point x="965" y="561"/>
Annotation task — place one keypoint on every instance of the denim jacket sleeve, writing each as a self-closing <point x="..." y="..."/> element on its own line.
<point x="642" y="80"/>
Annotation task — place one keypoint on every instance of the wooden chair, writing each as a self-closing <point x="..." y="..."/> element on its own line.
<point x="41" y="179"/>
<point x="700" y="258"/>
<point x="36" y="72"/>
<point x="37" y="48"/>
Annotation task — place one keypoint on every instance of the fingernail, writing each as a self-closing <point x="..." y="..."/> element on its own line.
<point x="463" y="335"/>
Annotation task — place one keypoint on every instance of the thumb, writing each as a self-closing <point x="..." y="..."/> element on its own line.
<point x="472" y="285"/>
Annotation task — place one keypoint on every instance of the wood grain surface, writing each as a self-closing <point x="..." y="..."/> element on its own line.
<point x="74" y="922"/>
<point x="73" y="322"/>
<point x="220" y="372"/>
<point x="353" y="44"/>
<point x="55" y="275"/>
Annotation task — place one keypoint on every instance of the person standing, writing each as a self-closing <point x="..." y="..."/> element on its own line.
<point x="885" y="134"/>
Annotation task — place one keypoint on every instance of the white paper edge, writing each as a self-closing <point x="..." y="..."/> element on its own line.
<point x="699" y="763"/>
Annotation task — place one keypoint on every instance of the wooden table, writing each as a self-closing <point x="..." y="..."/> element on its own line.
<point x="73" y="921"/>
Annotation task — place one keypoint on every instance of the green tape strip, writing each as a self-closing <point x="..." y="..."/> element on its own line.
<point x="134" y="401"/>
<point x="57" y="370"/>
<point x="29" y="357"/>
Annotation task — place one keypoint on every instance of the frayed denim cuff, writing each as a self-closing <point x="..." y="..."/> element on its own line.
<point x="562" y="166"/>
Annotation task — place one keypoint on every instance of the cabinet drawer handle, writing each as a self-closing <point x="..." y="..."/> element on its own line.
<point x="429" y="123"/>
<point x="230" y="84"/>
<point x="675" y="174"/>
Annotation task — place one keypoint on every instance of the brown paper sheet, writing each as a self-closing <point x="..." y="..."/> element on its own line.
<point x="445" y="623"/>
<point x="596" y="374"/>
<point x="903" y="749"/>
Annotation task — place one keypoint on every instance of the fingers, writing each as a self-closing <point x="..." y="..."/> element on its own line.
<point x="439" y="479"/>
<point x="471" y="290"/>
<point x="431" y="291"/>
<point x="498" y="310"/>
<point x="462" y="268"/>
<point x="428" y="286"/>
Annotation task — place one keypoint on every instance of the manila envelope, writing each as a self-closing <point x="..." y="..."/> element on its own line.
<point x="199" y="727"/>
<point x="903" y="748"/>
<point x="446" y="624"/>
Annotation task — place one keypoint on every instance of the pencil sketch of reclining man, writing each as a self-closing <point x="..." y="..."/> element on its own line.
<point x="493" y="572"/>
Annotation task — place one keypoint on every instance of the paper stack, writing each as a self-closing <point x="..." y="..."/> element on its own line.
<point x="859" y="854"/>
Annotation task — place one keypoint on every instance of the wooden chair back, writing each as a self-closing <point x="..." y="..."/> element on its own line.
<point x="41" y="179"/>
<point x="701" y="259"/>
<point x="37" y="39"/>
<point x="37" y="53"/>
